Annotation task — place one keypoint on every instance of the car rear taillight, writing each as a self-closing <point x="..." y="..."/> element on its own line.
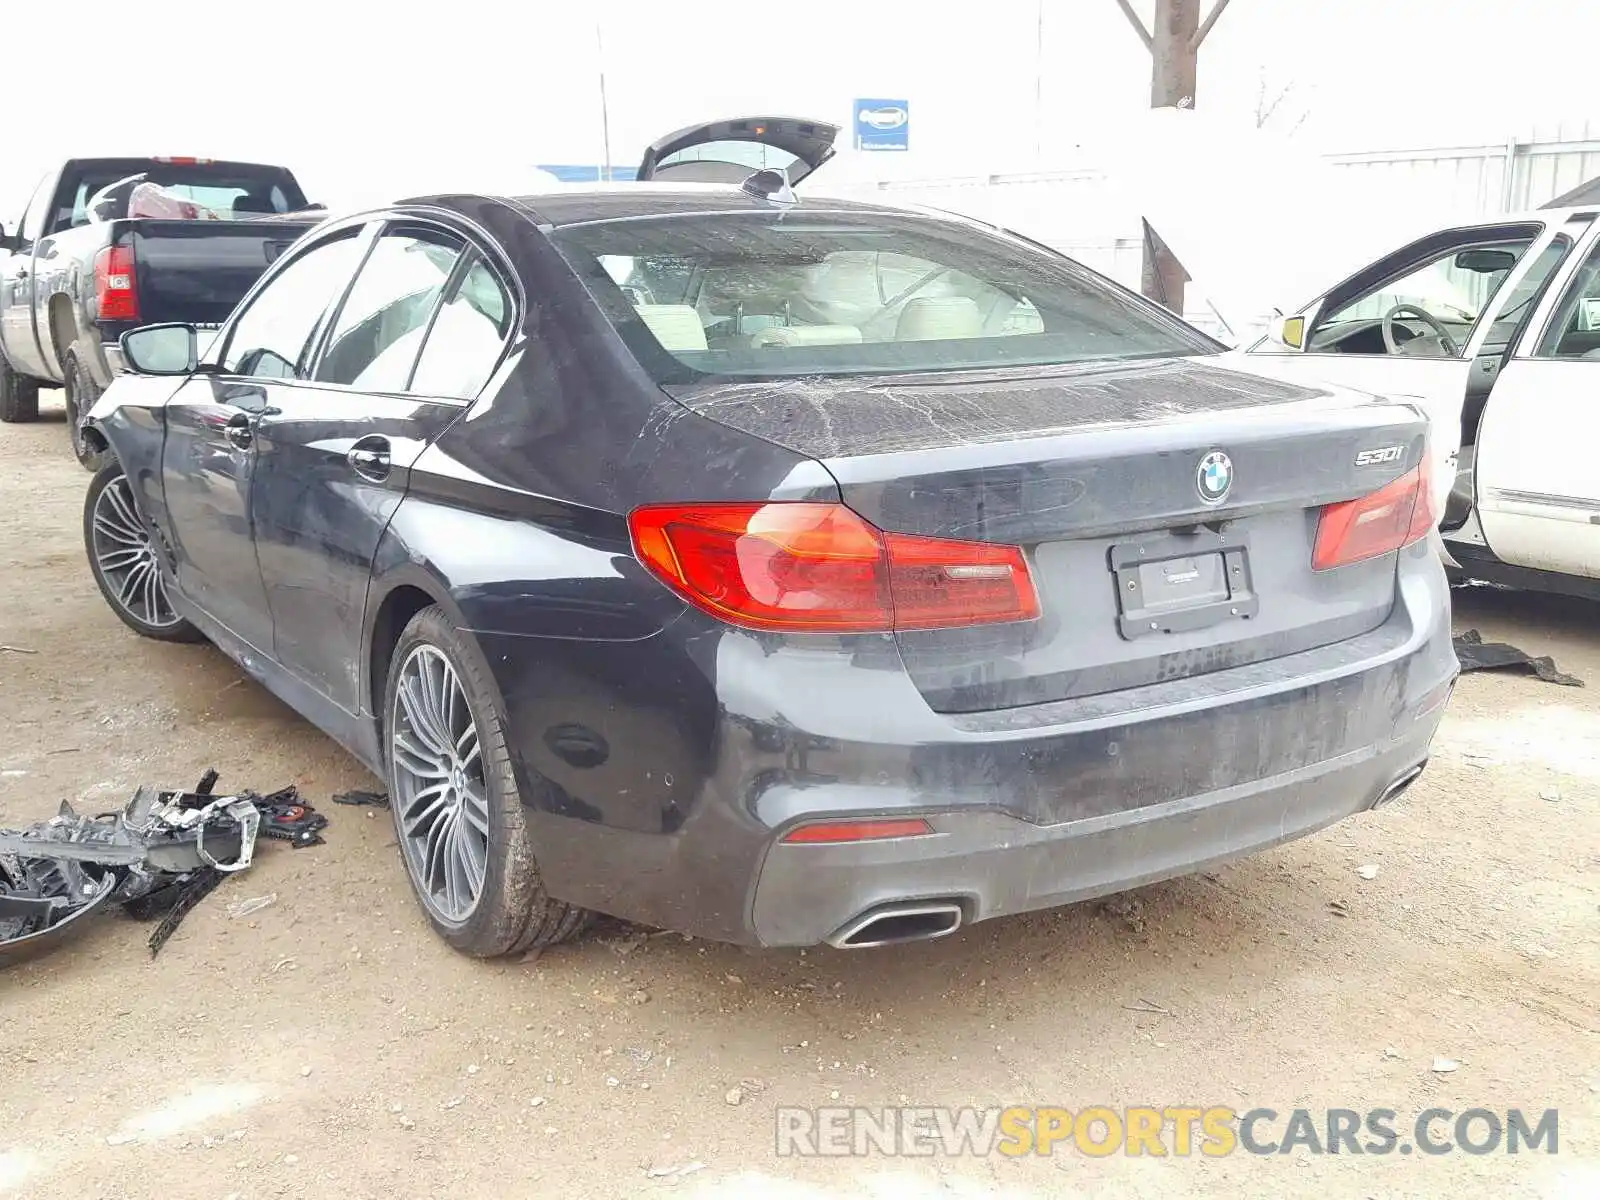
<point x="1386" y="520"/>
<point x="114" y="284"/>
<point x="822" y="568"/>
<point x="876" y="829"/>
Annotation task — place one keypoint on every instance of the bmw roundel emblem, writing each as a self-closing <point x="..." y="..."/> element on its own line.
<point x="1214" y="477"/>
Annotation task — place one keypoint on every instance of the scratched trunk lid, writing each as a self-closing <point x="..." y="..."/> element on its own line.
<point x="1168" y="509"/>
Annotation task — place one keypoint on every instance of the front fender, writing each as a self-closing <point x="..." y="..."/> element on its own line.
<point x="129" y="420"/>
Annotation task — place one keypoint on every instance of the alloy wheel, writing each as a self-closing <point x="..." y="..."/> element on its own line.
<point x="441" y="801"/>
<point x="126" y="557"/>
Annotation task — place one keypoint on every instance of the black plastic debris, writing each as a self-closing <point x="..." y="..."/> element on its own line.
<point x="162" y="854"/>
<point x="189" y="891"/>
<point x="1478" y="655"/>
<point x="370" y="799"/>
<point x="286" y="818"/>
<point x="43" y="903"/>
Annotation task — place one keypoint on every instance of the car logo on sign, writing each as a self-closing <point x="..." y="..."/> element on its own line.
<point x="890" y="117"/>
<point x="1214" y="477"/>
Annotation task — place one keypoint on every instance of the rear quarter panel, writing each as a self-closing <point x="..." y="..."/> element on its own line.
<point x="63" y="269"/>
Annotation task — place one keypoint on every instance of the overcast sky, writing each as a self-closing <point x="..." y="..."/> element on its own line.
<point x="354" y="95"/>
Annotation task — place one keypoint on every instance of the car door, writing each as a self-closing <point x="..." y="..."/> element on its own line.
<point x="18" y="338"/>
<point x="730" y="151"/>
<point x="1447" y="277"/>
<point x="209" y="455"/>
<point x="1537" y="485"/>
<point x="416" y="336"/>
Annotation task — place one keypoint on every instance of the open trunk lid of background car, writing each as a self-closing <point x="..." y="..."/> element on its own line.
<point x="730" y="151"/>
<point x="1168" y="510"/>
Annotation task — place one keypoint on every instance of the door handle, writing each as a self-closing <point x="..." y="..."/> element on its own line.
<point x="369" y="457"/>
<point x="240" y="429"/>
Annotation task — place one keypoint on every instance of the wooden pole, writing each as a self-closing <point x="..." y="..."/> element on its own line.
<point x="1174" y="44"/>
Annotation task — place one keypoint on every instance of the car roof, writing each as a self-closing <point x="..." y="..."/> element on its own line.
<point x="621" y="201"/>
<point x="1545" y="216"/>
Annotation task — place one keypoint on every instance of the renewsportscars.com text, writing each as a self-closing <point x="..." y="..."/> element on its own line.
<point x="1171" y="1130"/>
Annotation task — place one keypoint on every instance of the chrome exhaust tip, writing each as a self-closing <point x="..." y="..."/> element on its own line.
<point x="1396" y="789"/>
<point x="892" y="924"/>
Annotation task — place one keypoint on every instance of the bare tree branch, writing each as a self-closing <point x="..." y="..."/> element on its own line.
<point x="1138" y="25"/>
<point x="1205" y="27"/>
<point x="1264" y="107"/>
<point x="1271" y="107"/>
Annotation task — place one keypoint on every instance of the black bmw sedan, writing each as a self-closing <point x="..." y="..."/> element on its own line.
<point x="774" y="568"/>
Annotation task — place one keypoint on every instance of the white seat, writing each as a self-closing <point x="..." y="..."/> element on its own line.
<point x="934" y="318"/>
<point x="676" y="326"/>
<point x="806" y="335"/>
<point x="843" y="288"/>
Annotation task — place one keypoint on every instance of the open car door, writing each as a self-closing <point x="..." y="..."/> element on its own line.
<point x="731" y="151"/>
<point x="1537" y="486"/>
<point x="1429" y="323"/>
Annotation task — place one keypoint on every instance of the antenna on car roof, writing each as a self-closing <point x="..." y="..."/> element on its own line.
<point x="771" y="186"/>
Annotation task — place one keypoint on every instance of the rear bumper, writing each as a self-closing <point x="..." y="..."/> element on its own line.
<point x="991" y="864"/>
<point x="662" y="774"/>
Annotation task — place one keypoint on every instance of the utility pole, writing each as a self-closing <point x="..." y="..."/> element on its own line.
<point x="1174" y="45"/>
<point x="1038" y="84"/>
<point x="605" y="110"/>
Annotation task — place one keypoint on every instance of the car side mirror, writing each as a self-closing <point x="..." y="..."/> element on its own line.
<point x="162" y="349"/>
<point x="8" y="241"/>
<point x="1288" y="332"/>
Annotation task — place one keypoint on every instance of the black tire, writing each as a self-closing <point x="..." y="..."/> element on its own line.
<point x="81" y="393"/>
<point x="512" y="912"/>
<point x="175" y="629"/>
<point x="19" y="397"/>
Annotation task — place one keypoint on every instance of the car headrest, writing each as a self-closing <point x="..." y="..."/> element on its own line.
<point x="806" y="335"/>
<point x="934" y="317"/>
<point x="676" y="326"/>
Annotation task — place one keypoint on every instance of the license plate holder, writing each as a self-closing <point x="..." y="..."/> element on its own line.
<point x="1182" y="584"/>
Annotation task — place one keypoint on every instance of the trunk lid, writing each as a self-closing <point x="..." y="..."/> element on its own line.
<point x="1168" y="510"/>
<point x="729" y="151"/>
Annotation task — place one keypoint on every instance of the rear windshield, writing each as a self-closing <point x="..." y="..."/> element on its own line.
<point x="797" y="293"/>
<point x="236" y="189"/>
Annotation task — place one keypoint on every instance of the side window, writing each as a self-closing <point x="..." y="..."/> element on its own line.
<point x="1574" y="329"/>
<point x="272" y="338"/>
<point x="1428" y="312"/>
<point x="381" y="324"/>
<point x="467" y="337"/>
<point x="1517" y="306"/>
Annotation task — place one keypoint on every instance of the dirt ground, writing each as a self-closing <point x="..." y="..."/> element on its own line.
<point x="331" y="1046"/>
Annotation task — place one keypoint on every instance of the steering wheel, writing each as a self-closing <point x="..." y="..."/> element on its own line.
<point x="638" y="293"/>
<point x="1427" y="318"/>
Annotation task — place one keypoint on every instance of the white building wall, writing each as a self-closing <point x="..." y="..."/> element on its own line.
<point x="1075" y="211"/>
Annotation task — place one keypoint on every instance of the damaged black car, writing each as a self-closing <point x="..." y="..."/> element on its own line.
<point x="774" y="568"/>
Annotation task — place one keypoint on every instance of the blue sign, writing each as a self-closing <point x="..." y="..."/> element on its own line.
<point x="883" y="125"/>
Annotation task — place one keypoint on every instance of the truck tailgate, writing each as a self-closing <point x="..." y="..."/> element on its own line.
<point x="198" y="271"/>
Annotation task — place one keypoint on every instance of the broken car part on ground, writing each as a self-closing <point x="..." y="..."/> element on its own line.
<point x="1475" y="654"/>
<point x="162" y="854"/>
